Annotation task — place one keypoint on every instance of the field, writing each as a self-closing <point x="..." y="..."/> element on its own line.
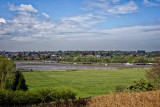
<point x="134" y="99"/>
<point x="85" y="82"/>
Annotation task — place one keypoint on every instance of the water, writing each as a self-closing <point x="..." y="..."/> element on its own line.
<point x="59" y="66"/>
<point x="56" y="66"/>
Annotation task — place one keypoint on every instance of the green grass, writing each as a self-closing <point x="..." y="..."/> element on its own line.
<point x="84" y="82"/>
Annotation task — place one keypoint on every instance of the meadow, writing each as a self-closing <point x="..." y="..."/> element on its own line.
<point x="84" y="82"/>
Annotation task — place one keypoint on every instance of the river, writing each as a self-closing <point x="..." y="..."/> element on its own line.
<point x="59" y="66"/>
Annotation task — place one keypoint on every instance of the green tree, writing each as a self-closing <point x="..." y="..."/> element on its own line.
<point x="19" y="82"/>
<point x="77" y="59"/>
<point x="90" y="59"/>
<point x="7" y="67"/>
<point x="129" y="59"/>
<point x="16" y="80"/>
<point x="105" y="60"/>
<point x="140" y="60"/>
<point x="22" y="83"/>
<point x="118" y="59"/>
<point x="154" y="75"/>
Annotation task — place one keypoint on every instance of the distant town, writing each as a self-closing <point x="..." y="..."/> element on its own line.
<point x="140" y="56"/>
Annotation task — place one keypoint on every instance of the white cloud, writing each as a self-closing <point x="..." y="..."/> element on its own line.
<point x="46" y="15"/>
<point x="111" y="6"/>
<point x="86" y="20"/>
<point x="74" y="33"/>
<point x="23" y="39"/>
<point x="24" y="8"/>
<point x="149" y="3"/>
<point x="26" y="24"/>
<point x="2" y="20"/>
<point x="123" y="9"/>
<point x="133" y="33"/>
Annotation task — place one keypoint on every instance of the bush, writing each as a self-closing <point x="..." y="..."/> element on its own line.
<point x="26" y="98"/>
<point x="21" y="98"/>
<point x="120" y="88"/>
<point x="48" y="95"/>
<point x="141" y="85"/>
<point x="154" y="75"/>
<point x="6" y="98"/>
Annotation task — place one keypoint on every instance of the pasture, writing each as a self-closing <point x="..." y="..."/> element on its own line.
<point x="85" y="82"/>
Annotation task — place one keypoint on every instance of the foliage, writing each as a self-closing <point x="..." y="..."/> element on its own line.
<point x="48" y="95"/>
<point x="154" y="75"/>
<point x="90" y="59"/>
<point x="129" y="59"/>
<point x="105" y="60"/>
<point x="120" y="88"/>
<point x="141" y="85"/>
<point x="118" y="59"/>
<point x="21" y="82"/>
<point x="140" y="60"/>
<point x="21" y="98"/>
<point x="7" y="67"/>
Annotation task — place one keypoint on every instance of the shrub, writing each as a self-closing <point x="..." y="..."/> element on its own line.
<point x="21" y="98"/>
<point x="48" y="95"/>
<point x="6" y="98"/>
<point x="141" y="85"/>
<point x="154" y="75"/>
<point x="45" y="95"/>
<point x="120" y="88"/>
<point x="26" y="98"/>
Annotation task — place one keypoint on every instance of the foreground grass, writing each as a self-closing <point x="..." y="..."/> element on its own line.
<point x="84" y="82"/>
<point x="126" y="99"/>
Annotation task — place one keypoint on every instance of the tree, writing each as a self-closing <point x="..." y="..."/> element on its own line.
<point x="77" y="59"/>
<point x="154" y="75"/>
<point x="129" y="59"/>
<point x="90" y="59"/>
<point x="105" y="60"/>
<point x="22" y="83"/>
<point x="7" y="67"/>
<point x="118" y="59"/>
<point x="19" y="82"/>
<point x="140" y="60"/>
<point x="16" y="80"/>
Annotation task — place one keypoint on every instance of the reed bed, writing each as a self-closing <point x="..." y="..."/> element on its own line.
<point x="127" y="99"/>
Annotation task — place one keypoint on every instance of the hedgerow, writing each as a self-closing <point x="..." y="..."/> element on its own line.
<point x="10" y="98"/>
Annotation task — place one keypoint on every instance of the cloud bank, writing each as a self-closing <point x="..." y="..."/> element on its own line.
<point x="27" y="31"/>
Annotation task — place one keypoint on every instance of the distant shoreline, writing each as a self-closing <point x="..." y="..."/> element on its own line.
<point x="60" y="66"/>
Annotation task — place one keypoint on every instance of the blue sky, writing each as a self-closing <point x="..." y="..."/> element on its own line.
<point x="32" y="25"/>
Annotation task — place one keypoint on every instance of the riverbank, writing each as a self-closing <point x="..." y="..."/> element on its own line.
<point x="59" y="66"/>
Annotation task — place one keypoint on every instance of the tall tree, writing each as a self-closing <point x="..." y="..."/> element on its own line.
<point x="21" y="82"/>
<point x="7" y="66"/>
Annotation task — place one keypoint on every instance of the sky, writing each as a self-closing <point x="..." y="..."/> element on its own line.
<point x="52" y="25"/>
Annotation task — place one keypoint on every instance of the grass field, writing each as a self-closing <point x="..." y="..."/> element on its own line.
<point x="84" y="82"/>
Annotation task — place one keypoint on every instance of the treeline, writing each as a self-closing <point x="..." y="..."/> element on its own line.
<point x="114" y="59"/>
